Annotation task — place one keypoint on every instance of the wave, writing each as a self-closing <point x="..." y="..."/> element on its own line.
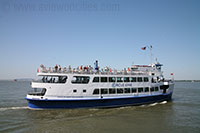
<point x="13" y="108"/>
<point x="153" y="104"/>
<point x="164" y="102"/>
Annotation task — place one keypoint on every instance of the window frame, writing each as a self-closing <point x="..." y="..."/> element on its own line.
<point x="80" y="80"/>
<point x="133" y="79"/>
<point x="139" y="79"/>
<point x="140" y="88"/>
<point x="146" y="79"/>
<point x="126" y="79"/>
<point x="112" y="79"/>
<point x="96" y="81"/>
<point x="120" y="90"/>
<point x="133" y="89"/>
<point x="96" y="91"/>
<point x="119" y="81"/>
<point x="146" y="89"/>
<point x="103" y="90"/>
<point x="125" y="90"/>
<point x="104" y="80"/>
<point x="113" y="92"/>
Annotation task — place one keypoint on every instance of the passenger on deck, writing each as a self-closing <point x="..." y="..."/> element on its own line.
<point x="56" y="68"/>
<point x="87" y="68"/>
<point x="64" y="69"/>
<point x="50" y="81"/>
<point x="70" y="68"/>
<point x="59" y="68"/>
<point x="43" y="79"/>
<point x="49" y="69"/>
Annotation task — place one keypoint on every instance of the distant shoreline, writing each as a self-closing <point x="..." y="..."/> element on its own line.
<point x="187" y="80"/>
<point x="21" y="79"/>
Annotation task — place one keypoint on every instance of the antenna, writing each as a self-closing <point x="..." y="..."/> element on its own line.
<point x="151" y="53"/>
<point x="150" y="48"/>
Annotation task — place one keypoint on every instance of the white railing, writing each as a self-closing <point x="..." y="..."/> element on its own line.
<point x="90" y="71"/>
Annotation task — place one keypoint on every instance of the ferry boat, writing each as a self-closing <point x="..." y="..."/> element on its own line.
<point x="85" y="87"/>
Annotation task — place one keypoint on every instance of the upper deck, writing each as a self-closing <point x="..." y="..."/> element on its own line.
<point x="133" y="70"/>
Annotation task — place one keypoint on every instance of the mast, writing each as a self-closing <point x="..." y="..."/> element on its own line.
<point x="150" y="47"/>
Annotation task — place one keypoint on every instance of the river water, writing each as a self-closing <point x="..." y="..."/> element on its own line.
<point x="181" y="115"/>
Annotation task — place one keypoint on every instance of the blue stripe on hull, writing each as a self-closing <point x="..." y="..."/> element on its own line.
<point x="101" y="103"/>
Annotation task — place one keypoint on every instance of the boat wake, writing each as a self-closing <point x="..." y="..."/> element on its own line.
<point x="153" y="104"/>
<point x="13" y="108"/>
<point x="164" y="102"/>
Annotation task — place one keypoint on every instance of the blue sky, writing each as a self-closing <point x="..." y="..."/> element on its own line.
<point x="77" y="32"/>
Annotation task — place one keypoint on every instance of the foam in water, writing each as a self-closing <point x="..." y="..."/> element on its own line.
<point x="153" y="104"/>
<point x="164" y="102"/>
<point x="13" y="108"/>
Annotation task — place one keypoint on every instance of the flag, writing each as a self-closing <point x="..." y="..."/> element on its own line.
<point x="172" y="74"/>
<point x="143" y="48"/>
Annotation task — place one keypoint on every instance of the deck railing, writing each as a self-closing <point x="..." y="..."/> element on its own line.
<point x="91" y="71"/>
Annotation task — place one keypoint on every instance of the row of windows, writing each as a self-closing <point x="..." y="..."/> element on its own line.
<point x="123" y="90"/>
<point x="120" y="79"/>
<point x="86" y="79"/>
<point x="54" y="79"/>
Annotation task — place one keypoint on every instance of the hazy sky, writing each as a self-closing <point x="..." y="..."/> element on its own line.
<point x="77" y="32"/>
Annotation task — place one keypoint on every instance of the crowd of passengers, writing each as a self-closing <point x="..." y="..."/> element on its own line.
<point x="82" y="68"/>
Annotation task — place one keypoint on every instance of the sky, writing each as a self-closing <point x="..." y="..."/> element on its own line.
<point x="78" y="32"/>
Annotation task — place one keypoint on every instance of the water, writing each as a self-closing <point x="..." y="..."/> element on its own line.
<point x="178" y="116"/>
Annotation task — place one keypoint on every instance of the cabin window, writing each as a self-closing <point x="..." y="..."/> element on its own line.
<point x="133" y="79"/>
<point x="156" y="88"/>
<point x="139" y="79"/>
<point x="112" y="91"/>
<point x="164" y="87"/>
<point x="119" y="79"/>
<point x="140" y="90"/>
<point x="104" y="79"/>
<point x="119" y="90"/>
<point x="127" y="90"/>
<point x="74" y="91"/>
<point x="37" y="91"/>
<point x="126" y="79"/>
<point x="153" y="81"/>
<point x="134" y="90"/>
<point x="152" y="89"/>
<point x="146" y="89"/>
<point x="96" y="79"/>
<point x="112" y="79"/>
<point x="146" y="79"/>
<point x="104" y="91"/>
<point x="80" y="79"/>
<point x="84" y="91"/>
<point x="96" y="91"/>
<point x="54" y="79"/>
